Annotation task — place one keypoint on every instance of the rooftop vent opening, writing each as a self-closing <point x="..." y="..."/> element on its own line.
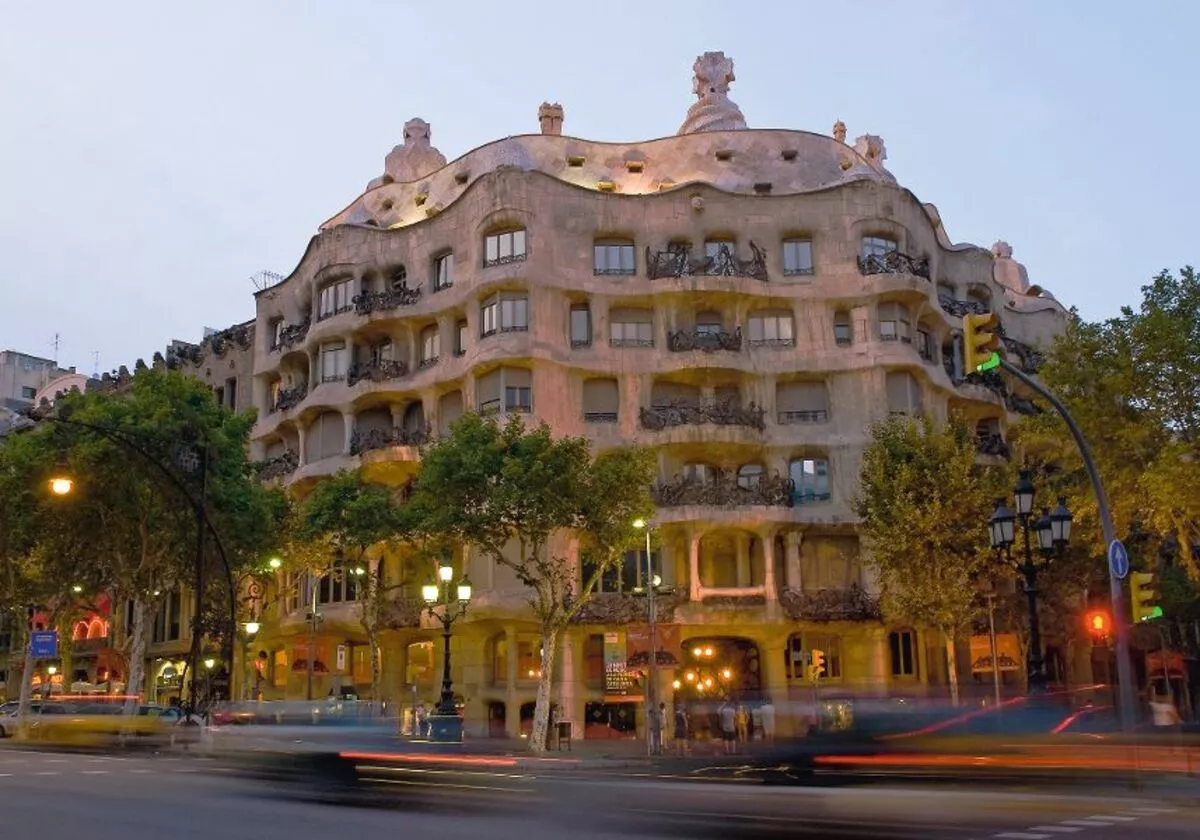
<point x="461" y="177"/>
<point x="724" y="154"/>
<point x="788" y="154"/>
<point x="420" y="198"/>
<point x="635" y="166"/>
<point x="576" y="160"/>
<point x="606" y="186"/>
<point x="763" y="187"/>
<point x="387" y="204"/>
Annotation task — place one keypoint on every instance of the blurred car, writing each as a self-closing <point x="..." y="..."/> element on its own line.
<point x="10" y="715"/>
<point x="100" y="723"/>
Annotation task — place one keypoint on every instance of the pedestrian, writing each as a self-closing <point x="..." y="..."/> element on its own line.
<point x="728" y="717"/>
<point x="768" y="721"/>
<point x="681" y="731"/>
<point x="1165" y="717"/>
<point x="656" y="722"/>
<point x="743" y="724"/>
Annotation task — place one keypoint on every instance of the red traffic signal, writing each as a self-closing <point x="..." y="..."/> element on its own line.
<point x="1098" y="623"/>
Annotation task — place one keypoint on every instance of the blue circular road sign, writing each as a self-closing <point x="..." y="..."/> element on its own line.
<point x="1118" y="559"/>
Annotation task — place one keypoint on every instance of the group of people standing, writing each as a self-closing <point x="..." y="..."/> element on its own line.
<point x="737" y="725"/>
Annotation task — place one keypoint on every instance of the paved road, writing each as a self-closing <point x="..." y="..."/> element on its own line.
<point x="67" y="796"/>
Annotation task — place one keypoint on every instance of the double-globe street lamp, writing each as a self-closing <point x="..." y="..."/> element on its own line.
<point x="652" y="582"/>
<point x="1052" y="531"/>
<point x="447" y="602"/>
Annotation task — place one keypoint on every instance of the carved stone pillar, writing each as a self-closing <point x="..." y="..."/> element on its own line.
<point x="792" y="568"/>
<point x="302" y="444"/>
<point x="569" y="680"/>
<point x="314" y="368"/>
<point x="397" y="410"/>
<point x="348" y="430"/>
<point x="768" y="544"/>
<point x="512" y="703"/>
<point x="694" y="566"/>
<point x="742" y="543"/>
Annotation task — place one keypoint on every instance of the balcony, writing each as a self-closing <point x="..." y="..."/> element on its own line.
<point x="292" y="334"/>
<point x="401" y="613"/>
<point x="851" y="604"/>
<point x="957" y="308"/>
<point x="708" y="340"/>
<point x="289" y="397"/>
<point x="680" y="263"/>
<point x="368" y="302"/>
<point x="726" y="413"/>
<point x="620" y="608"/>
<point x="600" y="417"/>
<point x="894" y="262"/>
<point x="992" y="444"/>
<point x="278" y="467"/>
<point x="1027" y="357"/>
<point x="374" y="439"/>
<point x="376" y="370"/>
<point x="724" y="490"/>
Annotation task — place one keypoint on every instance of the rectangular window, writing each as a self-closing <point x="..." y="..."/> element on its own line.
<point x="843" y="332"/>
<point x="431" y="345"/>
<point x="443" y="272"/>
<point x="924" y="345"/>
<point x="877" y="247"/>
<point x="893" y="323"/>
<point x="614" y="258"/>
<point x="518" y="398"/>
<point x="277" y="326"/>
<point x="772" y="329"/>
<point x="581" y="325"/>
<point x="335" y="298"/>
<point x="231" y="393"/>
<point x="385" y="351"/>
<point x="504" y="314"/>
<point x="501" y="248"/>
<point x="797" y="257"/>
<point x="811" y="479"/>
<point x="903" y="646"/>
<point x="714" y="247"/>
<point x="28" y="393"/>
<point x="460" y="337"/>
<point x="631" y="334"/>
<point x="334" y="359"/>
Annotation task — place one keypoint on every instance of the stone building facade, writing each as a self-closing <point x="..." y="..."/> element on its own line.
<point x="747" y="302"/>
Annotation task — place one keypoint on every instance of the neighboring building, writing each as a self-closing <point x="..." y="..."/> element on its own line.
<point x="23" y="376"/>
<point x="745" y="301"/>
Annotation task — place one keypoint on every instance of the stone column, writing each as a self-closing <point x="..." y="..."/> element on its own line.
<point x="397" y="411"/>
<point x="512" y="702"/>
<point x="301" y="443"/>
<point x="768" y="544"/>
<point x="314" y="368"/>
<point x="792" y="568"/>
<point x="693" y="566"/>
<point x="568" y="682"/>
<point x="348" y="429"/>
<point x="743" y="560"/>
<point x="775" y="683"/>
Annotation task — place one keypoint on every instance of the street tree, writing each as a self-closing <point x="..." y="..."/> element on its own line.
<point x="924" y="500"/>
<point x="350" y="517"/>
<point x="509" y="490"/>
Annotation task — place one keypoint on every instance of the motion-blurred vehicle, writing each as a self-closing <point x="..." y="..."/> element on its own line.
<point x="100" y="723"/>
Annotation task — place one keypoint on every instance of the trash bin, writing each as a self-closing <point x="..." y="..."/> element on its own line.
<point x="563" y="731"/>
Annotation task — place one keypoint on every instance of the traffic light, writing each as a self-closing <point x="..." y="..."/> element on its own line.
<point x="979" y="341"/>
<point x="1097" y="623"/>
<point x="1143" y="593"/>
<point x="818" y="663"/>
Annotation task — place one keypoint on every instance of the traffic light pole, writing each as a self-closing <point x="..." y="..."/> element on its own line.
<point x="1120" y="615"/>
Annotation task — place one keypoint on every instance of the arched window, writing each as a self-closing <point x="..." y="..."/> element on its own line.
<point x="749" y="476"/>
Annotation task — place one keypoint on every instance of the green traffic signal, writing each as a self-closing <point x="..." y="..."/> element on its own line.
<point x="993" y="361"/>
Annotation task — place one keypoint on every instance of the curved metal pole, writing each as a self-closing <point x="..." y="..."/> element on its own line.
<point x="126" y="440"/>
<point x="1120" y="617"/>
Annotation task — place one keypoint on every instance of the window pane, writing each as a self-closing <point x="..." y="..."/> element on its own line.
<point x="493" y="248"/>
<point x="580" y="325"/>
<point x="518" y="242"/>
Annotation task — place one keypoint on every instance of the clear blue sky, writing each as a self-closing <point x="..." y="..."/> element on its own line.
<point x="153" y="157"/>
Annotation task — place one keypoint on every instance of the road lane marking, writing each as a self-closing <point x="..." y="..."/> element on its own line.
<point x="95" y="772"/>
<point x="1112" y="817"/>
<point x="1152" y="812"/>
<point x="1089" y="823"/>
<point x="1020" y="835"/>
<point x="1056" y="829"/>
<point x="46" y="773"/>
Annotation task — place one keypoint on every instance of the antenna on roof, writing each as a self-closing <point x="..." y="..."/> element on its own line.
<point x="264" y="280"/>
<point x="57" y="343"/>
<point x="95" y="364"/>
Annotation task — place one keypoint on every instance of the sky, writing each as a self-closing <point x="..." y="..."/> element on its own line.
<point x="154" y="156"/>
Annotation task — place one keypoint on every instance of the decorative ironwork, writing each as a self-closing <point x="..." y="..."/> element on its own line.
<point x="279" y="466"/>
<point x="219" y="343"/>
<point x="992" y="444"/>
<point x="678" y="262"/>
<point x="772" y="342"/>
<point x="681" y="341"/>
<point x="958" y="308"/>
<point x="724" y="490"/>
<point x="631" y="342"/>
<point x="787" y="418"/>
<point x="600" y="417"/>
<point x="292" y="334"/>
<point x="851" y="604"/>
<point x="734" y="601"/>
<point x="1021" y="405"/>
<point x="401" y="613"/>
<point x="373" y="439"/>
<point x="724" y="413"/>
<point x="1027" y="357"/>
<point x="376" y="370"/>
<point x="627" y="608"/>
<point x="428" y="363"/>
<point x="511" y="258"/>
<point x="990" y="379"/>
<point x="385" y="301"/>
<point x="894" y="262"/>
<point x="290" y="397"/>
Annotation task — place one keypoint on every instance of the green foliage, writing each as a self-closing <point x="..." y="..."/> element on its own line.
<point x="924" y="503"/>
<point x="350" y="513"/>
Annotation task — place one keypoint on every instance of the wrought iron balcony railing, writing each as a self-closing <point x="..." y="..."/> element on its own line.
<point x="957" y="308"/>
<point x="600" y="417"/>
<point x="678" y="262"/>
<point x="850" y="604"/>
<point x="290" y="397"/>
<point x="724" y="490"/>
<point x="373" y="439"/>
<point x="376" y="370"/>
<point x="368" y="302"/>
<point x="992" y="444"/>
<point x="1027" y="357"/>
<point x="894" y="262"/>
<point x="279" y="466"/>
<point x="292" y="334"/>
<point x="710" y="341"/>
<point x="725" y="413"/>
<point x="787" y="418"/>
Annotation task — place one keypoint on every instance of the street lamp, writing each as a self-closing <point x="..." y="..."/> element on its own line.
<point x="1052" y="530"/>
<point x="251" y="628"/>
<point x="447" y="602"/>
<point x="61" y="483"/>
<point x="652" y="583"/>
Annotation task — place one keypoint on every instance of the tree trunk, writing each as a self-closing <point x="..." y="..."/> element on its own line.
<point x="137" y="657"/>
<point x="952" y="666"/>
<point x="541" y="709"/>
<point x="376" y="668"/>
<point x="26" y="686"/>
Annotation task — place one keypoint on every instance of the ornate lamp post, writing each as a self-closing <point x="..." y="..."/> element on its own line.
<point x="251" y="628"/>
<point x="651" y="584"/>
<point x="1052" y="531"/>
<point x="447" y="602"/>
